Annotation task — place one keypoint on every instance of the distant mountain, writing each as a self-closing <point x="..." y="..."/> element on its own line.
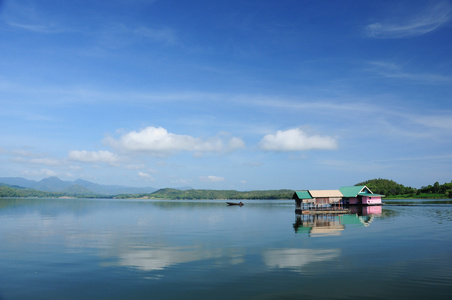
<point x="51" y="184"/>
<point x="77" y="189"/>
<point x="17" y="181"/>
<point x="113" y="189"/>
<point x="12" y="186"/>
<point x="79" y="186"/>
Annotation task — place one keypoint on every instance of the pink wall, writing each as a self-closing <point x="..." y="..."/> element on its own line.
<point x="365" y="200"/>
<point x="371" y="200"/>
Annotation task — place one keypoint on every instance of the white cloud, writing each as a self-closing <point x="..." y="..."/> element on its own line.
<point x="30" y="17"/>
<point x="212" y="178"/>
<point x="426" y="21"/>
<point x="296" y="140"/>
<point x="29" y="157"/>
<point x="93" y="156"/>
<point x="36" y="27"/>
<point x="391" y="70"/>
<point x="145" y="175"/>
<point x="316" y="104"/>
<point x="437" y="121"/>
<point x="157" y="140"/>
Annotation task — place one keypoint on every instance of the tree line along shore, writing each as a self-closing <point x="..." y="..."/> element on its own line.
<point x="389" y="188"/>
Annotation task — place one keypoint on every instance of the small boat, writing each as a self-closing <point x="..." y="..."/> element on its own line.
<point x="233" y="203"/>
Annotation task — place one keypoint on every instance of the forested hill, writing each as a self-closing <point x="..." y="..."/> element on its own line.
<point x="387" y="187"/>
<point x="21" y="192"/>
<point x="390" y="188"/>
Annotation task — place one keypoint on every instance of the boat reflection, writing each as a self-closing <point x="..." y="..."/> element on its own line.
<point x="318" y="225"/>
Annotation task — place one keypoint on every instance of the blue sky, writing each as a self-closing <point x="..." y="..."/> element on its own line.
<point x="238" y="95"/>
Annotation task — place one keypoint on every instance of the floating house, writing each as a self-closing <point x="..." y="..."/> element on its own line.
<point x="324" y="201"/>
<point x="331" y="200"/>
<point x="359" y="195"/>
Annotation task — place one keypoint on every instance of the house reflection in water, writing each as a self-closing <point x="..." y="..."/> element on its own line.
<point x="317" y="225"/>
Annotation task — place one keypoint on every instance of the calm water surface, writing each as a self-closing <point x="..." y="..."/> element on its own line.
<point x="142" y="249"/>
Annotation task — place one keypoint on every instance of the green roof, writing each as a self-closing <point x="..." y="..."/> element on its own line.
<point x="354" y="191"/>
<point x="346" y="191"/>
<point x="302" y="195"/>
<point x="351" y="191"/>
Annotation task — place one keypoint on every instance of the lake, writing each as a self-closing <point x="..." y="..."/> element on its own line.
<point x="155" y="249"/>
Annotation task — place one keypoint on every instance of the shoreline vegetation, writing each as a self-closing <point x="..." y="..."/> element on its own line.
<point x="389" y="188"/>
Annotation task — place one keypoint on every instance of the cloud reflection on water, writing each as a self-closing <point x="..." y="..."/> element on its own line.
<point x="164" y="257"/>
<point x="298" y="258"/>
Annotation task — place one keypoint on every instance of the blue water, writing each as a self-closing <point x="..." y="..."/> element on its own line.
<point x="144" y="249"/>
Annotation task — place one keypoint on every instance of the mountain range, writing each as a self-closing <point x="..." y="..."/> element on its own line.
<point x="79" y="186"/>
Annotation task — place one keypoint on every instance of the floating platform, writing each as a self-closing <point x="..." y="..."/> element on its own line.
<point x="322" y="211"/>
